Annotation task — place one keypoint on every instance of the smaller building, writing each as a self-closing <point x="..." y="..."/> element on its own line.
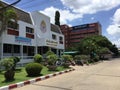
<point x="32" y="34"/>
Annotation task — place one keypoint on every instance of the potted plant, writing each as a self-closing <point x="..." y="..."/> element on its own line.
<point x="51" y="60"/>
<point x="8" y="64"/>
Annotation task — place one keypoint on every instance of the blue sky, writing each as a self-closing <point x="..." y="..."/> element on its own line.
<point x="76" y="12"/>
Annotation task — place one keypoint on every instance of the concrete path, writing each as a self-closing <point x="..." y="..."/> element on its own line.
<point x="102" y="76"/>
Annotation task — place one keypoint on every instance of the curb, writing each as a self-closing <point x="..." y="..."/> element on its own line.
<point x="20" y="84"/>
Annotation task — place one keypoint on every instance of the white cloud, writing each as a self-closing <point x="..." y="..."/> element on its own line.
<point x="79" y="8"/>
<point x="90" y="6"/>
<point x="92" y="18"/>
<point x="114" y="28"/>
<point x="65" y="15"/>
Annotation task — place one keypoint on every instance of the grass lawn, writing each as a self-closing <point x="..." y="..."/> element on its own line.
<point x="22" y="75"/>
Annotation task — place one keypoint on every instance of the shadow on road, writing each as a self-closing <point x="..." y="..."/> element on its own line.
<point x="52" y="86"/>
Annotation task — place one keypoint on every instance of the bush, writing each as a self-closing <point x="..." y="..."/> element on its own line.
<point x="96" y="58"/>
<point x="52" y="59"/>
<point x="33" y="69"/>
<point x="38" y="58"/>
<point x="15" y="60"/>
<point x="81" y="59"/>
<point x="50" y="53"/>
<point x="77" y="57"/>
<point x="8" y="63"/>
<point x="66" y="58"/>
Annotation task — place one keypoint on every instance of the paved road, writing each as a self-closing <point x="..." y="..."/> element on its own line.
<point x="102" y="76"/>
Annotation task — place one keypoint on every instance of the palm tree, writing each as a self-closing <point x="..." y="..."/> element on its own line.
<point x="6" y="15"/>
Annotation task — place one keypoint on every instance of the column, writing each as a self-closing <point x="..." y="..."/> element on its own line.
<point x="21" y="51"/>
<point x="1" y="47"/>
<point x="57" y="52"/>
<point x="36" y="50"/>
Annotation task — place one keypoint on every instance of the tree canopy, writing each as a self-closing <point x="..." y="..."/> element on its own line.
<point x="96" y="44"/>
<point x="6" y="15"/>
<point x="57" y="18"/>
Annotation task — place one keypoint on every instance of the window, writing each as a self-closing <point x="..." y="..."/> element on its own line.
<point x="24" y="49"/>
<point x="16" y="49"/>
<point x="13" y="28"/>
<point x="13" y="25"/>
<point x="53" y="36"/>
<point x="61" y="40"/>
<point x="29" y="30"/>
<point x="7" y="48"/>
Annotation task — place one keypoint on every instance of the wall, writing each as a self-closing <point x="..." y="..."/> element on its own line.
<point x="22" y="33"/>
<point x="44" y="35"/>
<point x="42" y="24"/>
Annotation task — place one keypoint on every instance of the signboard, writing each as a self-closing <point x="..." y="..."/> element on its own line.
<point x="51" y="43"/>
<point x="81" y="26"/>
<point x="22" y="40"/>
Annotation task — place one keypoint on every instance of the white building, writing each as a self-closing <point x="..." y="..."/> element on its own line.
<point x="31" y="35"/>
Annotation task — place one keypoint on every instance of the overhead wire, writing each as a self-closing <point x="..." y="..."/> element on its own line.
<point x="43" y="4"/>
<point x="37" y="4"/>
<point x="28" y="5"/>
<point x="24" y="3"/>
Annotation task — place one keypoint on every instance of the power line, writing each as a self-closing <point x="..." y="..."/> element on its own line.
<point x="22" y="4"/>
<point x="43" y="4"/>
<point x="27" y="4"/>
<point x="36" y="4"/>
<point x="10" y="5"/>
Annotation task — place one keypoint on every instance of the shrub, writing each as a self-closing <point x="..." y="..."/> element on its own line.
<point x="33" y="69"/>
<point x="38" y="58"/>
<point x="15" y="60"/>
<point x="81" y="59"/>
<point x="96" y="58"/>
<point x="50" y="53"/>
<point x="8" y="63"/>
<point x="52" y="59"/>
<point x="66" y="58"/>
<point x="77" y="57"/>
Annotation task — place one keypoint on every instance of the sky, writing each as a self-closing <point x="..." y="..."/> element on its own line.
<point x="77" y="12"/>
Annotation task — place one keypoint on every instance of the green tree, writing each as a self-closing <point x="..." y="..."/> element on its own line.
<point x="6" y="15"/>
<point x="95" y="43"/>
<point x="57" y="18"/>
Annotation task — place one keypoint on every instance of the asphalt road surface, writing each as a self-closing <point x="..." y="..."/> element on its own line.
<point x="102" y="76"/>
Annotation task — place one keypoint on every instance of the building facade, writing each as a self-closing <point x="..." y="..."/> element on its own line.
<point x="74" y="34"/>
<point x="31" y="35"/>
